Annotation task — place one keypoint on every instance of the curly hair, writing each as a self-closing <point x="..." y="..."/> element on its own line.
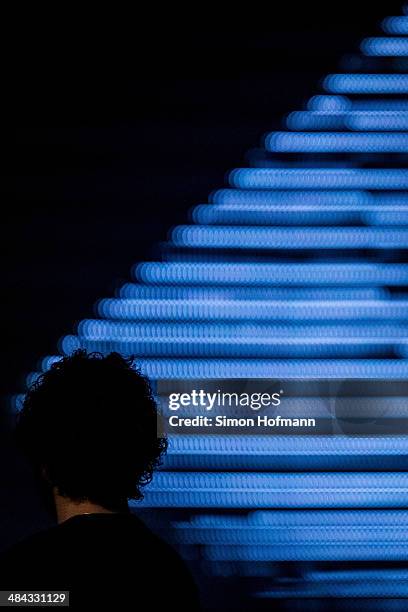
<point x="90" y="425"/>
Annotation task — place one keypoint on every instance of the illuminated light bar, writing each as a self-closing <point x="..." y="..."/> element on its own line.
<point x="372" y="120"/>
<point x="337" y="142"/>
<point x="273" y="215"/>
<point x="331" y="104"/>
<point x="96" y="329"/>
<point x="385" y="46"/>
<point x="273" y="274"/>
<point x="251" y="535"/>
<point x="317" y="552"/>
<point x="283" y="348"/>
<point x="336" y="518"/>
<point x="386" y="217"/>
<point x="240" y="197"/>
<point x="316" y="120"/>
<point x="353" y="120"/>
<point x="254" y="310"/>
<point x="342" y="178"/>
<point x="393" y="369"/>
<point x="366" y="83"/>
<point x="132" y="290"/>
<point x="386" y="592"/>
<point x="289" y="238"/>
<point x="278" y="490"/>
<point x="292" y="445"/>
<point x="395" y="25"/>
<point x="392" y="574"/>
<point x="381" y="104"/>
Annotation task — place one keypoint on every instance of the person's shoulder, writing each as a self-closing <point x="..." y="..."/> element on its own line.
<point x="30" y="544"/>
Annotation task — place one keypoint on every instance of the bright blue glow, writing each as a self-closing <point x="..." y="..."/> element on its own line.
<point x="231" y="197"/>
<point x="275" y="490"/>
<point x="366" y="83"/>
<point x="381" y="104"/>
<point x="312" y="552"/>
<point x="273" y="215"/>
<point x="169" y="292"/>
<point x="385" y="46"/>
<point x="316" y="120"/>
<point x="273" y="274"/>
<point x="331" y="104"/>
<point x="252" y="310"/>
<point x="386" y="217"/>
<point x="395" y="25"/>
<point x="285" y="238"/>
<point x="377" y="120"/>
<point x="285" y="348"/>
<point x="338" y="142"/>
<point x="355" y="178"/>
<point x="358" y="575"/>
<point x="95" y="329"/>
<point x="299" y="536"/>
<point x="393" y="369"/>
<point x="293" y="445"/>
<point x="379" y="590"/>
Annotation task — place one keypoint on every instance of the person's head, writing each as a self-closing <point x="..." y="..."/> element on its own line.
<point x="89" y="426"/>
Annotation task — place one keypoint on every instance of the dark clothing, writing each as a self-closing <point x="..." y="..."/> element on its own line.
<point x="108" y="560"/>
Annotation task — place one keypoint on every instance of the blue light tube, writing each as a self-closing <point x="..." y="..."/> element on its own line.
<point x="366" y="83"/>
<point x="255" y="310"/>
<point x="312" y="552"/>
<point x="272" y="274"/>
<point x="290" y="198"/>
<point x="169" y="292"/>
<point x="385" y="46"/>
<point x="337" y="142"/>
<point x="299" y="237"/>
<point x="311" y="178"/>
<point x="96" y="329"/>
<point x="395" y="25"/>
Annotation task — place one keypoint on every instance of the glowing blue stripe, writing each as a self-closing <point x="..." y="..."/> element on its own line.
<point x="298" y="536"/>
<point x="96" y="329"/>
<point x="273" y="215"/>
<point x="132" y="290"/>
<point x="366" y="83"/>
<point x="392" y="574"/>
<point x="381" y="104"/>
<point x="354" y="178"/>
<point x="255" y="310"/>
<point x="353" y="120"/>
<point x="386" y="217"/>
<point x="312" y="552"/>
<point x="302" y="518"/>
<point x="274" y="490"/>
<point x="385" y="46"/>
<point x="380" y="590"/>
<point x="278" y="349"/>
<point x="273" y="274"/>
<point x="329" y="103"/>
<point x="285" y="238"/>
<point x="290" y="445"/>
<point x="316" y="120"/>
<point x="376" y="120"/>
<point x="393" y="369"/>
<point x="241" y="197"/>
<point x="395" y="25"/>
<point x="337" y="142"/>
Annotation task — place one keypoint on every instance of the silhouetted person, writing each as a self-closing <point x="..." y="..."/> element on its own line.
<point x="89" y="427"/>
